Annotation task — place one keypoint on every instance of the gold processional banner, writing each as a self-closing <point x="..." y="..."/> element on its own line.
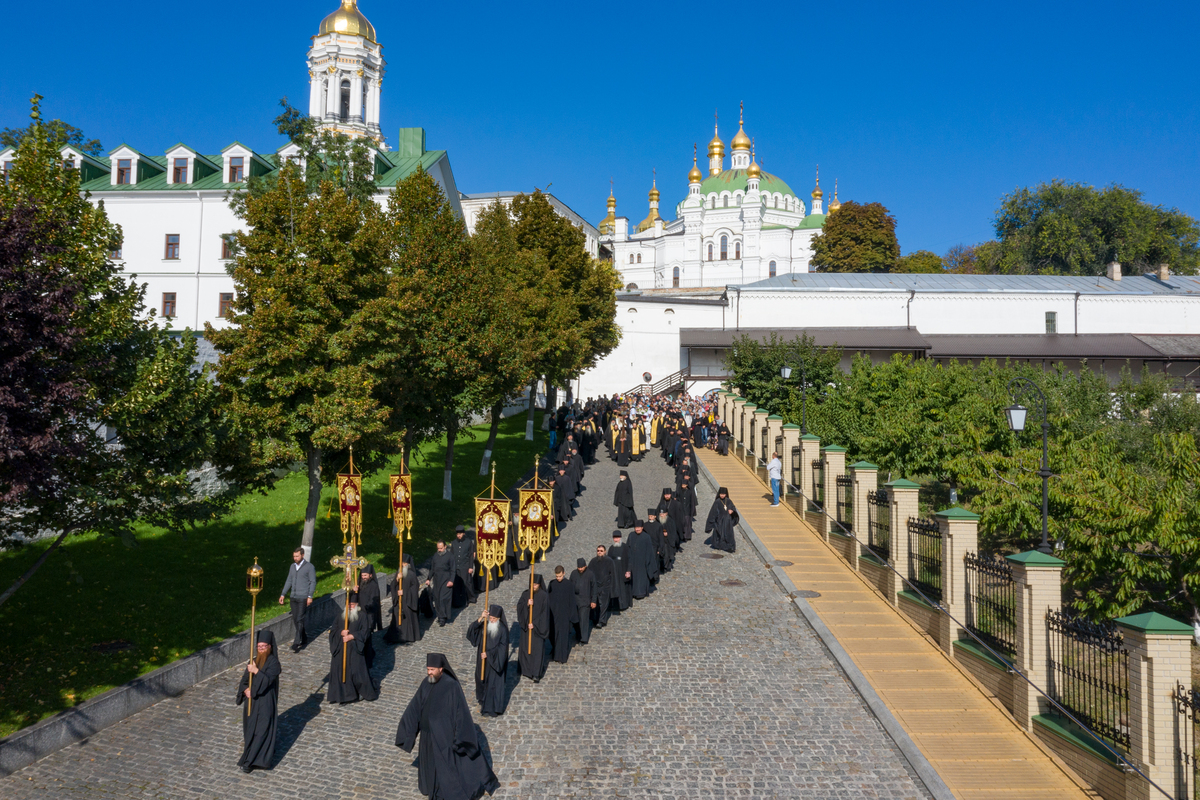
<point x="400" y="506"/>
<point x="491" y="531"/>
<point x="533" y="532"/>
<point x="350" y="504"/>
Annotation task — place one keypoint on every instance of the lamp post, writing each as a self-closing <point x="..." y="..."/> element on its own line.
<point x="1016" y="414"/>
<point x="786" y="373"/>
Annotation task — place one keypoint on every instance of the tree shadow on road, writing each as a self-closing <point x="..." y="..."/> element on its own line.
<point x="293" y="721"/>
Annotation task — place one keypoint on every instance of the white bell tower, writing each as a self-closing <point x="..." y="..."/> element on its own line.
<point x="345" y="70"/>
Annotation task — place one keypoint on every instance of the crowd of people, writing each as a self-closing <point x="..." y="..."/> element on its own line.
<point x="552" y="616"/>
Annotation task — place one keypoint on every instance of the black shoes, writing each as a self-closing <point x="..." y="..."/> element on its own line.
<point x="246" y="770"/>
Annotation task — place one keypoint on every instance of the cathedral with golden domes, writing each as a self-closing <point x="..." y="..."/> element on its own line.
<point x="734" y="226"/>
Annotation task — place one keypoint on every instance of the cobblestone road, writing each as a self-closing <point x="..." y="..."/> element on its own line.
<point x="700" y="690"/>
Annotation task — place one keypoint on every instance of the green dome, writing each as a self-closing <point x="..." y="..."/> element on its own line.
<point x="731" y="180"/>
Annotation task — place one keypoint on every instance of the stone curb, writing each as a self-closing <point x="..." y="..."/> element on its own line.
<point x="91" y="716"/>
<point x="916" y="759"/>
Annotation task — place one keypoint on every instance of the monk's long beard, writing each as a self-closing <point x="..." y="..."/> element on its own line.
<point x="354" y="614"/>
<point x="493" y="629"/>
<point x="260" y="659"/>
<point x="433" y="678"/>
<point x="404" y="571"/>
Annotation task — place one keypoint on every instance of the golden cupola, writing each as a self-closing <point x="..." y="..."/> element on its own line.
<point x="817" y="193"/>
<point x="834" y="205"/>
<point x="349" y="20"/>
<point x="741" y="141"/>
<point x="609" y="224"/>
<point x="716" y="147"/>
<point x="753" y="171"/>
<point x="695" y="176"/>
<point x="653" y="216"/>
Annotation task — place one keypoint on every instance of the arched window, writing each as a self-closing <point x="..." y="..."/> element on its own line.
<point x="710" y="251"/>
<point x="631" y="258"/>
<point x="633" y="286"/>
<point x="675" y="278"/>
<point x="737" y="250"/>
<point x="724" y="248"/>
<point x="345" y="106"/>
<point x="725" y="201"/>
<point x="639" y="258"/>
<point x="771" y="268"/>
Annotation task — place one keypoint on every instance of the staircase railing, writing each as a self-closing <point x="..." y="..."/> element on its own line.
<point x="674" y="380"/>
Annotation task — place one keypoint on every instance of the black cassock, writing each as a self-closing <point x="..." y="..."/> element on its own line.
<point x="622" y="596"/>
<point x="664" y="545"/>
<point x="563" y="614"/>
<point x="720" y="524"/>
<point x="489" y="690"/>
<point x="450" y="765"/>
<point x="369" y="601"/>
<point x="643" y="563"/>
<point x="585" y="594"/>
<point x="405" y="627"/>
<point x="358" y="684"/>
<point x="533" y="665"/>
<point x="624" y="448"/>
<point x="258" y="726"/>
<point x="623" y="500"/>
<point x="604" y="574"/>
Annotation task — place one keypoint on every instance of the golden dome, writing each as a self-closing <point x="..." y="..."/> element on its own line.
<point x="754" y="171"/>
<point x="609" y="223"/>
<point x="835" y="205"/>
<point x="817" y="193"/>
<point x="741" y="141"/>
<point x="716" y="147"/>
<point x="348" y="19"/>
<point x="695" y="176"/>
<point x="653" y="216"/>
<point x="654" y="192"/>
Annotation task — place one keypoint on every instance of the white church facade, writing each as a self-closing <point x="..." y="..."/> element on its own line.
<point x="734" y="226"/>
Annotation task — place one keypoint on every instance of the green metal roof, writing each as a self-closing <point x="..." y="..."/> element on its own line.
<point x="731" y="180"/>
<point x="1033" y="558"/>
<point x="864" y="465"/>
<point x="1153" y="622"/>
<point x="903" y="483"/>
<point x="956" y="512"/>
<point x="812" y="222"/>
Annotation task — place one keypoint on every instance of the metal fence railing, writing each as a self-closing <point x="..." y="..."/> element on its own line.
<point x="991" y="600"/>
<point x="1089" y="673"/>
<point x="925" y="557"/>
<point x="845" y="501"/>
<point x="879" y="524"/>
<point x="818" y="492"/>
<point x="1187" y="766"/>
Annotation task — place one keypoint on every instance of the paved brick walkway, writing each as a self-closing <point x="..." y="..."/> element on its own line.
<point x="976" y="748"/>
<point x="701" y="690"/>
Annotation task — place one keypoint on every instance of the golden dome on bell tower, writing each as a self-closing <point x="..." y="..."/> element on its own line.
<point x="349" y="20"/>
<point x="695" y="176"/>
<point x="741" y="141"/>
<point x="817" y="193"/>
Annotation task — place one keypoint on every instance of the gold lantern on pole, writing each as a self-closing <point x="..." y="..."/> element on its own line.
<point x="254" y="585"/>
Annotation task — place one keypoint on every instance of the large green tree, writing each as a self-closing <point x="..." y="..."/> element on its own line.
<point x="80" y="358"/>
<point x="921" y="261"/>
<point x="300" y="363"/>
<point x="1074" y="229"/>
<point x="860" y="237"/>
<point x="59" y="133"/>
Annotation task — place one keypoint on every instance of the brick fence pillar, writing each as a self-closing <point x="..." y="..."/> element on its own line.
<point x="810" y="451"/>
<point x="904" y="499"/>
<point x="735" y="417"/>
<point x="1160" y="656"/>
<point x="791" y="441"/>
<point x="960" y="535"/>
<point x="835" y="464"/>
<point x="866" y="478"/>
<point x="1037" y="580"/>
<point x="758" y="419"/>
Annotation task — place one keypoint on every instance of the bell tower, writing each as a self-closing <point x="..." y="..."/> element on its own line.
<point x="345" y="71"/>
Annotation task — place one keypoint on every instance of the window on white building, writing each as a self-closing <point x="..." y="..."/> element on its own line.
<point x="675" y="278"/>
<point x="179" y="171"/>
<point x="124" y="171"/>
<point x="345" y="104"/>
<point x="737" y="250"/>
<point x="168" y="305"/>
<point x="771" y="270"/>
<point x="115" y="252"/>
<point x="1051" y="322"/>
<point x="237" y="169"/>
<point x="724" y="248"/>
<point x="224" y="304"/>
<point x="171" y="252"/>
<point x="226" y="246"/>
<point x="69" y="162"/>
<point x="710" y="251"/>
<point x="631" y="258"/>
<point x="639" y="258"/>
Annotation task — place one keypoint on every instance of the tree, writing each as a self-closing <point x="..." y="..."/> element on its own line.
<point x="920" y="261"/>
<point x="300" y="360"/>
<point x="1064" y="228"/>
<point x="60" y="134"/>
<point x="860" y="237"/>
<point x="973" y="259"/>
<point x="80" y="356"/>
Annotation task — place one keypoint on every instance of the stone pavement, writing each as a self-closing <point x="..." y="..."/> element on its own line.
<point x="700" y="690"/>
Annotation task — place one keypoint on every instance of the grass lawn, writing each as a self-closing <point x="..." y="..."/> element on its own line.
<point x="170" y="596"/>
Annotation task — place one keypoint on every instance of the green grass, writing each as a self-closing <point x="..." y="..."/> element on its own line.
<point x="171" y="595"/>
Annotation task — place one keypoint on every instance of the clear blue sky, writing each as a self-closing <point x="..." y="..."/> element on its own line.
<point x="935" y="110"/>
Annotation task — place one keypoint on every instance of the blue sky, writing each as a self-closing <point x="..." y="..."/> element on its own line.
<point x="935" y="110"/>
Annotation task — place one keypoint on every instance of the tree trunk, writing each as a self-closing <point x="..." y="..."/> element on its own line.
<point x="570" y="393"/>
<point x="497" y="410"/>
<point x="446" y="491"/>
<point x="34" y="568"/>
<point x="314" y="502"/>
<point x="408" y="447"/>
<point x="532" y="408"/>
<point x="551" y="403"/>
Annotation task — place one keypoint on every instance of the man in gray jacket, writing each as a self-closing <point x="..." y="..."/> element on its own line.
<point x="301" y="583"/>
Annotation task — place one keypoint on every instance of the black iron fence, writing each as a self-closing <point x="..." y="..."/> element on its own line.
<point x="818" y="490"/>
<point x="1187" y="766"/>
<point x="751" y="448"/>
<point x="795" y="473"/>
<point x="1089" y="673"/>
<point x="991" y="600"/>
<point x="925" y="557"/>
<point x="879" y="524"/>
<point x="845" y="501"/>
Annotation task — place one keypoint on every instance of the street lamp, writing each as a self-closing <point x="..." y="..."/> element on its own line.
<point x="786" y="373"/>
<point x="1016" y="414"/>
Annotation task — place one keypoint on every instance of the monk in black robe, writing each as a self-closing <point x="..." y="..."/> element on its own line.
<point x="406" y="594"/>
<point x="604" y="574"/>
<point x="441" y="582"/>
<point x="533" y="618"/>
<point x="662" y="542"/>
<point x="259" y="716"/>
<point x="721" y="519"/>
<point x="491" y="664"/>
<point x="356" y="684"/>
<point x="624" y="447"/>
<point x="463" y="550"/>
<point x="619" y="554"/>
<point x="370" y="607"/>
<point x="562" y="510"/>
<point x="722" y="438"/>
<point x="623" y="500"/>
<point x="450" y="764"/>
<point x="563" y="614"/>
<point x="687" y="511"/>
<point x="585" y="599"/>
<point x="643" y="561"/>
<point x="670" y="532"/>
